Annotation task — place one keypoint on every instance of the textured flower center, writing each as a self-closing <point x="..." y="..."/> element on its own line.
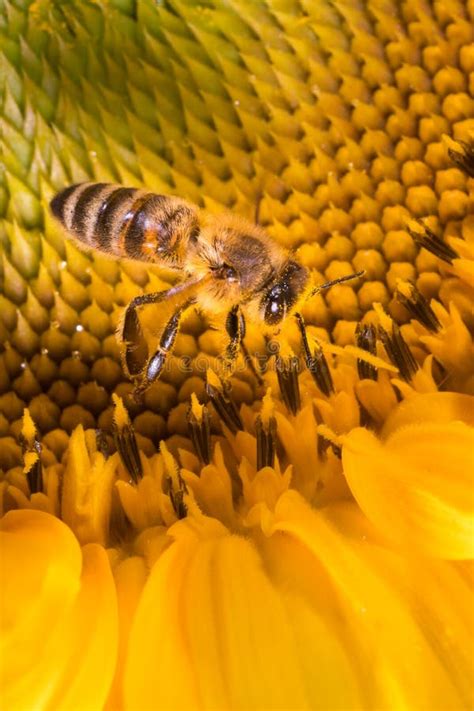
<point x="295" y="536"/>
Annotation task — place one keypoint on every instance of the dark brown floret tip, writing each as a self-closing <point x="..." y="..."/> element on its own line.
<point x="464" y="158"/>
<point x="266" y="442"/>
<point x="399" y="352"/>
<point x="316" y="362"/>
<point x="287" y="370"/>
<point x="127" y="447"/>
<point x="366" y="339"/>
<point x="419" y="308"/>
<point x="431" y="242"/>
<point x="324" y="444"/>
<point x="225" y="407"/>
<point x="177" y="493"/>
<point x="101" y="443"/>
<point x="200" y="434"/>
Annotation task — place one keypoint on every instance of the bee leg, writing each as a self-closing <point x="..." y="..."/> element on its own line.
<point x="136" y="350"/>
<point x="233" y="326"/>
<point x="155" y="364"/>
<point x="248" y="358"/>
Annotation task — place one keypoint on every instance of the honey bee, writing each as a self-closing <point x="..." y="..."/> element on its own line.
<point x="229" y="265"/>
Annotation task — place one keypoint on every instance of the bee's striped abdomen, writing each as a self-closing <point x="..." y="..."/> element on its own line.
<point x="126" y="222"/>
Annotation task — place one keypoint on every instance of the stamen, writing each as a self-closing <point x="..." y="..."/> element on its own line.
<point x="434" y="244"/>
<point x="125" y="440"/>
<point x="176" y="486"/>
<point x="463" y="159"/>
<point x="418" y="307"/>
<point x="327" y="439"/>
<point x="218" y="392"/>
<point x="199" y="427"/>
<point x="101" y="443"/>
<point x="316" y="362"/>
<point x="366" y="420"/>
<point x="366" y="338"/>
<point x="287" y="372"/>
<point x="266" y="428"/>
<point x="323" y="446"/>
<point x="398" y="351"/>
<point x="31" y="451"/>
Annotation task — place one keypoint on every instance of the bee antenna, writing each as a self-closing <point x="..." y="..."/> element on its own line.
<point x="329" y="284"/>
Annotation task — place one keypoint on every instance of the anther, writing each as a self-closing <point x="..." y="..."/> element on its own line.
<point x="31" y="451"/>
<point x="463" y="159"/>
<point x="416" y="304"/>
<point x="366" y="339"/>
<point x="287" y="370"/>
<point x="316" y="362"/>
<point x="199" y="428"/>
<point x="327" y="439"/>
<point x="431" y="242"/>
<point x="218" y="392"/>
<point x="125" y="440"/>
<point x="175" y="485"/>
<point x="398" y="351"/>
<point x="265" y="428"/>
<point x="101" y="443"/>
<point x="324" y="444"/>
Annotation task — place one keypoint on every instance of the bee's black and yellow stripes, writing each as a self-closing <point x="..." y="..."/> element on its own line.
<point x="126" y="222"/>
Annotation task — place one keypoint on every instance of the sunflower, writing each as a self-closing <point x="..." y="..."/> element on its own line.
<point x="295" y="538"/>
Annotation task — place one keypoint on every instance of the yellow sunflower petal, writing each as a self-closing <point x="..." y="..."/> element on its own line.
<point x="416" y="486"/>
<point x="426" y="584"/>
<point x="396" y="663"/>
<point x="224" y="635"/>
<point x="58" y="617"/>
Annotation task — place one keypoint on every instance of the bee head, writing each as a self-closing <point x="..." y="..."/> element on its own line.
<point x="283" y="293"/>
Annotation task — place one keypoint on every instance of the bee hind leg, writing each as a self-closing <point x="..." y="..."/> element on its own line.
<point x="135" y="351"/>
<point x="153" y="368"/>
